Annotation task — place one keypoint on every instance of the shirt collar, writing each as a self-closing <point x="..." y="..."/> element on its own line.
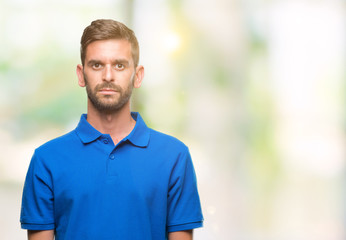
<point x="139" y="136"/>
<point x="85" y="131"/>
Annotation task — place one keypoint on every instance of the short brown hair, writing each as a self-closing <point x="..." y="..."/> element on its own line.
<point x="105" y="29"/>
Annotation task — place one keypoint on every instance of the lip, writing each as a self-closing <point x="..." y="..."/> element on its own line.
<point x="107" y="91"/>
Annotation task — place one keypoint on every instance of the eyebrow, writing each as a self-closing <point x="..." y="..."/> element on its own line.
<point x="122" y="61"/>
<point x="92" y="62"/>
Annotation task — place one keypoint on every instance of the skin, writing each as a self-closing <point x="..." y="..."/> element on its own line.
<point x="181" y="235"/>
<point x="41" y="235"/>
<point x="109" y="63"/>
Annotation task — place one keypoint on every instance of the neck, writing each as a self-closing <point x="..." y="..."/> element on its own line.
<point x="117" y="124"/>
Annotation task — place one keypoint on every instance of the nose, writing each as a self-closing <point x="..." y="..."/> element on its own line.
<point x="108" y="74"/>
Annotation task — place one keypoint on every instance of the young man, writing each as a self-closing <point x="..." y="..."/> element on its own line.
<point x="112" y="178"/>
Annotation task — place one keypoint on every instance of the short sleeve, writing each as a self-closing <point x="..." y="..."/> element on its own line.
<point x="184" y="208"/>
<point x="37" y="212"/>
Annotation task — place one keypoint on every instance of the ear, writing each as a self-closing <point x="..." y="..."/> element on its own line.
<point x="80" y="75"/>
<point x="139" y="76"/>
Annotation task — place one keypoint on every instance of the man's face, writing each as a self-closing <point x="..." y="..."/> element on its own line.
<point x="109" y="74"/>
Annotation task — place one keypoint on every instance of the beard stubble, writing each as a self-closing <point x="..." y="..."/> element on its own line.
<point x="106" y="104"/>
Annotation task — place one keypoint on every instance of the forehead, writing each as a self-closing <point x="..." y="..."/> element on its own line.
<point x="109" y="50"/>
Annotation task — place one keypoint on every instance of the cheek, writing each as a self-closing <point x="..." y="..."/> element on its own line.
<point x="93" y="75"/>
<point x="90" y="78"/>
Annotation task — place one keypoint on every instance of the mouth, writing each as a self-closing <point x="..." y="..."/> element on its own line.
<point x="107" y="91"/>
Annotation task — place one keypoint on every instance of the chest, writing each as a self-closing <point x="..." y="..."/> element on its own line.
<point x="120" y="175"/>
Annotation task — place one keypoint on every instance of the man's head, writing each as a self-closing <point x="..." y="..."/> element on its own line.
<point x="105" y="29"/>
<point x="109" y="69"/>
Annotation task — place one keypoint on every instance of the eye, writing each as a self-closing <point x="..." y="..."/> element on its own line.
<point x="119" y="66"/>
<point x="96" y="65"/>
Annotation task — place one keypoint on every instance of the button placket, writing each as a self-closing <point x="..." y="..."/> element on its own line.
<point x="113" y="160"/>
<point x="112" y="165"/>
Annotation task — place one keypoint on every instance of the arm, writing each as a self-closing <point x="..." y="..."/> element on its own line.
<point x="41" y="235"/>
<point x="180" y="235"/>
<point x="37" y="211"/>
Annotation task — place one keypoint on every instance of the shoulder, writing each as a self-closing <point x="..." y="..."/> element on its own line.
<point x="164" y="141"/>
<point x="48" y="155"/>
<point x="57" y="144"/>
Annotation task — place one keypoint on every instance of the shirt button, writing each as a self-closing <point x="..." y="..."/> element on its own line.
<point x="112" y="156"/>
<point x="105" y="141"/>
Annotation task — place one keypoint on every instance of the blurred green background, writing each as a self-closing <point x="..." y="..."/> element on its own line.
<point x="255" y="88"/>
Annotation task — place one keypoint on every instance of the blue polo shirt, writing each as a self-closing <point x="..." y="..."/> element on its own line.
<point x="86" y="188"/>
